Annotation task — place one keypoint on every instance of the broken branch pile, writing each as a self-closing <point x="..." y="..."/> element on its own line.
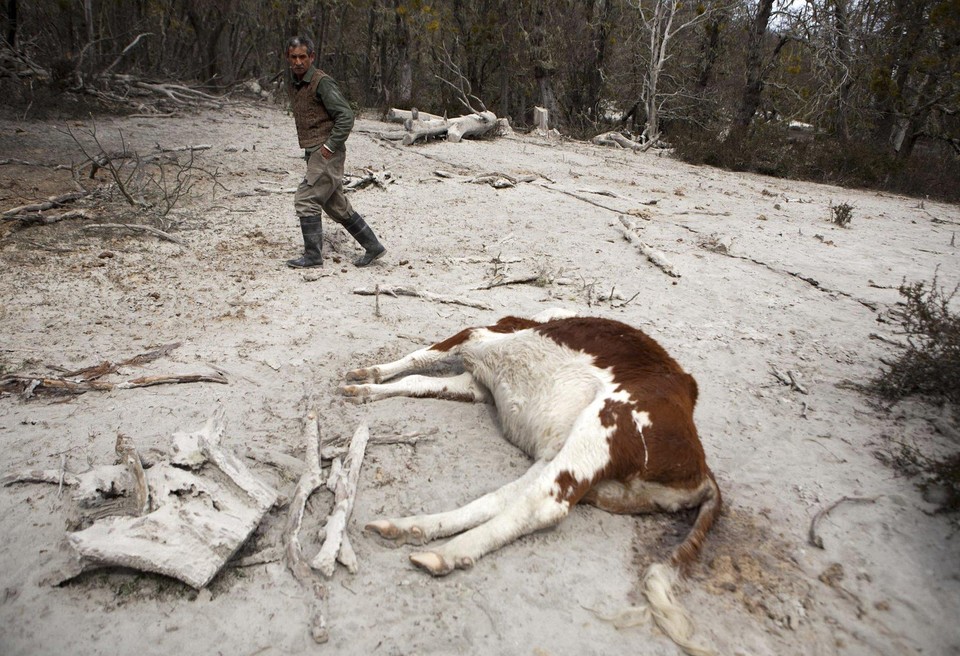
<point x="88" y="379"/>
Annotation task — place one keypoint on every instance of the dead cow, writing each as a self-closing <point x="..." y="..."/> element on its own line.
<point x="604" y="411"/>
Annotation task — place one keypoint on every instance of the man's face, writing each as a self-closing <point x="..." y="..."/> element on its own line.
<point x="299" y="60"/>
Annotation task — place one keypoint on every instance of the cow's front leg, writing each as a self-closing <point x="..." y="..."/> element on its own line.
<point x="463" y="387"/>
<point x="446" y="351"/>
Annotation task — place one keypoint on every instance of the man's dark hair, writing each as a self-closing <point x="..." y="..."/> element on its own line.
<point x="298" y="41"/>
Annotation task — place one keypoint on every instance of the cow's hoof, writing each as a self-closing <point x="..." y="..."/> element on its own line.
<point x="431" y="562"/>
<point x="385" y="528"/>
<point x="390" y="531"/>
<point x="367" y="375"/>
<point x="356" y="393"/>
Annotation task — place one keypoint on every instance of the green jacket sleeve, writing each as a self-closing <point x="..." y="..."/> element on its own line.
<point x="339" y="109"/>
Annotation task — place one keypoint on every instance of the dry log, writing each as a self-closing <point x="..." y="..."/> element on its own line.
<point x="617" y="139"/>
<point x="311" y="479"/>
<point x="186" y="535"/>
<point x="402" y="115"/>
<point x="455" y="128"/>
<point x="471" y="125"/>
<point x="345" y="486"/>
<point x="417" y="293"/>
<point x="655" y="256"/>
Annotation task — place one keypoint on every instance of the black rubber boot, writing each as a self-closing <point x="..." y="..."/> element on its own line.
<point x="312" y="229"/>
<point x="363" y="233"/>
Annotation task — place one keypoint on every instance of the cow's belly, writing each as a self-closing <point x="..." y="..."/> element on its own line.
<point x="538" y="386"/>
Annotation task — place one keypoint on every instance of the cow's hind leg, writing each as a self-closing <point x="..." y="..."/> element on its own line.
<point x="543" y="502"/>
<point x="420" y="529"/>
<point x="463" y="387"/>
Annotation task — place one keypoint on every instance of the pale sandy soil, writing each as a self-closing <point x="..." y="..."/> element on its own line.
<point x="886" y="582"/>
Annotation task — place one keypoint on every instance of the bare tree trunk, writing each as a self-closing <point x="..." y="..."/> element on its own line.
<point x="753" y="87"/>
<point x="543" y="66"/>
<point x="710" y="50"/>
<point x="12" y="23"/>
<point x="844" y="56"/>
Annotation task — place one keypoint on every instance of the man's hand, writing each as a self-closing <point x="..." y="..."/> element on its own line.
<point x="325" y="152"/>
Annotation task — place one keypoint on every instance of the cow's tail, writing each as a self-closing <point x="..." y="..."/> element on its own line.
<point x="660" y="578"/>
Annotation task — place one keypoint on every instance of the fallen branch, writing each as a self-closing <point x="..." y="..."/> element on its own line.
<point x="380" y="179"/>
<point x="39" y="218"/>
<point x="402" y="115"/>
<point x="789" y="379"/>
<point x="183" y="149"/>
<point x="417" y="293"/>
<point x="655" y="256"/>
<point x="334" y="452"/>
<point x="503" y="282"/>
<point x="136" y="228"/>
<point x="345" y="486"/>
<point x="630" y="212"/>
<point x="28" y="385"/>
<point x="618" y="140"/>
<point x="50" y="203"/>
<point x="500" y="180"/>
<point x="813" y="537"/>
<point x="311" y="479"/>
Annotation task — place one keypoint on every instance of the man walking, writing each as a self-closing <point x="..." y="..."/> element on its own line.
<point x="324" y="120"/>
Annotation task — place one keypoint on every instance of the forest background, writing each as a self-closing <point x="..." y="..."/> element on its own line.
<point x="852" y="92"/>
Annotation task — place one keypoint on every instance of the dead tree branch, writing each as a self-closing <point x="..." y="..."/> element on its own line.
<point x="418" y="293"/>
<point x="311" y="479"/>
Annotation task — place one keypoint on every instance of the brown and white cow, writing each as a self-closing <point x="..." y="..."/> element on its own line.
<point x="604" y="411"/>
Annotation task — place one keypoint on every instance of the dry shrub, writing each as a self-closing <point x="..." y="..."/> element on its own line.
<point x="930" y="364"/>
<point x="929" y="367"/>
<point x="842" y="214"/>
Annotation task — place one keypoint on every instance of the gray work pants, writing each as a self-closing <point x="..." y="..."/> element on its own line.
<point x="322" y="188"/>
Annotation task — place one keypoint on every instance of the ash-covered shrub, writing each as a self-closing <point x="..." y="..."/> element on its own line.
<point x="929" y="366"/>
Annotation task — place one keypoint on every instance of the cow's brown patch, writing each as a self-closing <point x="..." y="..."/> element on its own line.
<point x="570" y="488"/>
<point x="512" y="325"/>
<point x="452" y="342"/>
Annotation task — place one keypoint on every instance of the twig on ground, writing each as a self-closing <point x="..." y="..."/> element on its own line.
<point x="503" y="282"/>
<point x="417" y="293"/>
<point x="136" y="228"/>
<point x="813" y="537"/>
<point x="789" y="379"/>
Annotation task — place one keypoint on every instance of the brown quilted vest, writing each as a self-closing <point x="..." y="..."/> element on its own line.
<point x="313" y="122"/>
